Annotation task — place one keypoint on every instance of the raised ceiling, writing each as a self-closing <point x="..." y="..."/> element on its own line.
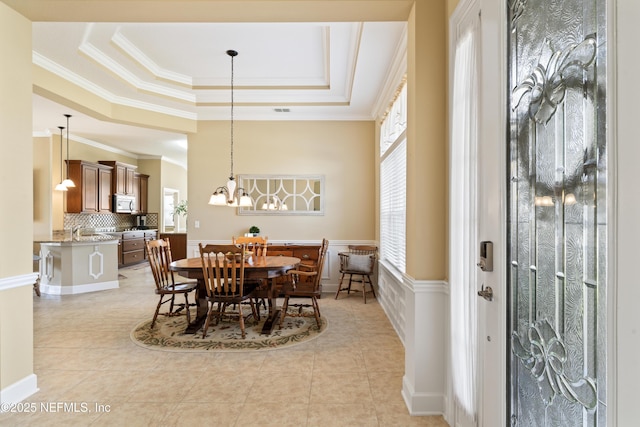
<point x="284" y="71"/>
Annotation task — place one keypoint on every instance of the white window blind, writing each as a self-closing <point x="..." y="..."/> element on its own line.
<point x="393" y="195"/>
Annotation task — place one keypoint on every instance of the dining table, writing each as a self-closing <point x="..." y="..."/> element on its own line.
<point x="268" y="268"/>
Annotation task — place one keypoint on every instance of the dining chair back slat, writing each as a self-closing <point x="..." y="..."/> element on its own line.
<point x="159" y="257"/>
<point x="255" y="244"/>
<point x="223" y="269"/>
<point x="304" y="284"/>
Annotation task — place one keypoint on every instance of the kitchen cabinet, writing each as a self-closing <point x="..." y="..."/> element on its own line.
<point x="149" y="235"/>
<point x="122" y="179"/>
<point x="141" y="192"/>
<point x="132" y="247"/>
<point x="92" y="193"/>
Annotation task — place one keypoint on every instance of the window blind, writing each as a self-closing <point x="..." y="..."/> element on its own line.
<point x="393" y="203"/>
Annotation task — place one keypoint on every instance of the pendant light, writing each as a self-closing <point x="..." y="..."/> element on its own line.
<point x="68" y="182"/>
<point x="61" y="186"/>
<point x="228" y="195"/>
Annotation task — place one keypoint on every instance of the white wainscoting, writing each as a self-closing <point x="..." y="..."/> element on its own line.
<point x="28" y="385"/>
<point x="419" y="312"/>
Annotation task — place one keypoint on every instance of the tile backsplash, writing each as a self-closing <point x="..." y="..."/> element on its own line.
<point x="106" y="220"/>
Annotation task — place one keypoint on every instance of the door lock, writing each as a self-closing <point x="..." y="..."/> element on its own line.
<point x="486" y="256"/>
<point x="486" y="293"/>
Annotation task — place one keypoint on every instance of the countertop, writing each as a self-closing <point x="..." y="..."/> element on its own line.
<point x="65" y="238"/>
<point x="87" y="236"/>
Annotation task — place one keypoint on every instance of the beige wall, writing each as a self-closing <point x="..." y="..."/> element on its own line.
<point x="341" y="151"/>
<point x="90" y="153"/>
<point x="451" y="6"/>
<point x="427" y="158"/>
<point x="42" y="186"/>
<point x="16" y="186"/>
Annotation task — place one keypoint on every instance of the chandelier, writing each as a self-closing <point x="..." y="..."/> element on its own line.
<point x="275" y="204"/>
<point x="229" y="195"/>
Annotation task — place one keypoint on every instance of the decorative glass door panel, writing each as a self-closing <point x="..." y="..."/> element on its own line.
<point x="557" y="212"/>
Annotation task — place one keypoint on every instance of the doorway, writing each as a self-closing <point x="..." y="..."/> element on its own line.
<point x="170" y="200"/>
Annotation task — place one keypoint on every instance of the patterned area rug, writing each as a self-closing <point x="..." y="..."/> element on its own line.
<point x="168" y="335"/>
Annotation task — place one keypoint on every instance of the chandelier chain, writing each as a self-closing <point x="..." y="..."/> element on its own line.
<point x="231" y="174"/>
<point x="67" y="116"/>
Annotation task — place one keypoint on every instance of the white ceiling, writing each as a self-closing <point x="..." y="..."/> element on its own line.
<point x="318" y="71"/>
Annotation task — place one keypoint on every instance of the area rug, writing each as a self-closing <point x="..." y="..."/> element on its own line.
<point x="168" y="335"/>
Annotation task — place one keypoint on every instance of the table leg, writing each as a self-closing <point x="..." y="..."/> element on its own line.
<point x="201" y="309"/>
<point x="274" y="312"/>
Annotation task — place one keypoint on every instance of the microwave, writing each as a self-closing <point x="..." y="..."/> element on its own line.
<point x="123" y="203"/>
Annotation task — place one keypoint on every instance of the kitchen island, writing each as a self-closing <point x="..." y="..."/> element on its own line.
<point x="77" y="264"/>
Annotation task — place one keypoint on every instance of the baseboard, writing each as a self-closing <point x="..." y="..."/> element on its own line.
<point x="78" y="289"/>
<point x="20" y="390"/>
<point x="422" y="404"/>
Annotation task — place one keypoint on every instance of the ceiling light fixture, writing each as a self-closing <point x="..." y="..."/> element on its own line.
<point x="68" y="182"/>
<point x="61" y="186"/>
<point x="229" y="195"/>
<point x="275" y="204"/>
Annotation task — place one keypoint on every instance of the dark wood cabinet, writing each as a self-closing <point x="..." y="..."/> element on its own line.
<point x="122" y="180"/>
<point x="149" y="235"/>
<point x="92" y="193"/>
<point x="126" y="180"/>
<point x="132" y="247"/>
<point x="178" y="242"/>
<point x="308" y="255"/>
<point x="141" y="192"/>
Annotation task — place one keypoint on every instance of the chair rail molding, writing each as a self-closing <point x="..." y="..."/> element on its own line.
<point x="18" y="281"/>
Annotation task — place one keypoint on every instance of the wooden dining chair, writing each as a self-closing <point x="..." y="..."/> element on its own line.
<point x="301" y="285"/>
<point x="360" y="262"/>
<point x="223" y="271"/>
<point x="257" y="245"/>
<point x="159" y="256"/>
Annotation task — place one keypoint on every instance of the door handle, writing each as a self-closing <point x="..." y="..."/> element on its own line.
<point x="486" y="293"/>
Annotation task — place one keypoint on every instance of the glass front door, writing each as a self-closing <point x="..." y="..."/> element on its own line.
<point x="557" y="212"/>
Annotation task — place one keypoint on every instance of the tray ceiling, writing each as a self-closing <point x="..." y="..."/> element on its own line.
<point x="284" y="71"/>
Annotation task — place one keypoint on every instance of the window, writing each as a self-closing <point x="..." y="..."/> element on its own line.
<point x="393" y="184"/>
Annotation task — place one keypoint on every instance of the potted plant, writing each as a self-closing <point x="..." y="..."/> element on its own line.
<point x="254" y="230"/>
<point x="181" y="209"/>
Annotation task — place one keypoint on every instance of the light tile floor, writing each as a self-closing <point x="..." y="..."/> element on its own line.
<point x="349" y="376"/>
